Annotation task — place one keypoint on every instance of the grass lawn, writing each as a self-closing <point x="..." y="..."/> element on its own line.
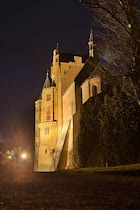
<point x="112" y="188"/>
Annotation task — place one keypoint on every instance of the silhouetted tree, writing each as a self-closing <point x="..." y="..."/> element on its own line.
<point x="111" y="121"/>
<point x="89" y="131"/>
<point x="116" y="28"/>
<point x="119" y="120"/>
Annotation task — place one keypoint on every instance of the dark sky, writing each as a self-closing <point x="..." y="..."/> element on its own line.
<point x="29" y="31"/>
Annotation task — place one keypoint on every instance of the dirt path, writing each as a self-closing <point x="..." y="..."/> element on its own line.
<point x="52" y="191"/>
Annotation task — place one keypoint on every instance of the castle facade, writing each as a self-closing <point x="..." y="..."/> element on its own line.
<point x="69" y="84"/>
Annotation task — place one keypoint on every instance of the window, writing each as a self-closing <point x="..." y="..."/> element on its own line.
<point x="48" y="97"/>
<point x="94" y="90"/>
<point x="47" y="131"/>
<point x="48" y="113"/>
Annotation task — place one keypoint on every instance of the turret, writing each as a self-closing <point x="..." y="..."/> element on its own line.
<point x="91" y="45"/>
<point x="48" y="81"/>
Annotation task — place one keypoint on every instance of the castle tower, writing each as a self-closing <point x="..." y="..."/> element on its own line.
<point x="45" y="127"/>
<point x="91" y="44"/>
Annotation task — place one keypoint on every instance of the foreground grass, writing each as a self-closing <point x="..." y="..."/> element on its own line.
<point x="133" y="169"/>
<point x="78" y="189"/>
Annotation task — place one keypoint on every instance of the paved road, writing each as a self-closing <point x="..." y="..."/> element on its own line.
<point x="52" y="191"/>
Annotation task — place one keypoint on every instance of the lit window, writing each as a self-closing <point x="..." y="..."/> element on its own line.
<point x="48" y="97"/>
<point x="48" y="113"/>
<point x="47" y="131"/>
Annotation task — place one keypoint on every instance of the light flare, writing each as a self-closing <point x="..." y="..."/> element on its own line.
<point x="23" y="156"/>
<point x="108" y="56"/>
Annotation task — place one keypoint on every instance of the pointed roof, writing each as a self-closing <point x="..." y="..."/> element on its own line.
<point x="91" y="44"/>
<point x="48" y="81"/>
<point x="57" y="48"/>
<point x="91" y="35"/>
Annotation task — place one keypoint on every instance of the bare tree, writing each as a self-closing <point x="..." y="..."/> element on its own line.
<point x="117" y="33"/>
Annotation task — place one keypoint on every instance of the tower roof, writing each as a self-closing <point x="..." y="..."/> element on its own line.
<point x="91" y="44"/>
<point x="48" y="81"/>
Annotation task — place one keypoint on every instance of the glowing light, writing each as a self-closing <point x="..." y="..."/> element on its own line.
<point x="10" y="157"/>
<point x="129" y="26"/>
<point x="24" y="156"/>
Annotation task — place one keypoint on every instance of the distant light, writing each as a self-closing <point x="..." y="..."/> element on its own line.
<point x="23" y="156"/>
<point x="129" y="26"/>
<point x="10" y="157"/>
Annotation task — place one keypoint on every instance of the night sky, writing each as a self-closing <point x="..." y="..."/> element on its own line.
<point x="29" y="31"/>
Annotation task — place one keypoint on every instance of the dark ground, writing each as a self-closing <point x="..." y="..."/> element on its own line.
<point x="22" y="190"/>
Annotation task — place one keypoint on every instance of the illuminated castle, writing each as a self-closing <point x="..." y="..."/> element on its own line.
<point x="69" y="83"/>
